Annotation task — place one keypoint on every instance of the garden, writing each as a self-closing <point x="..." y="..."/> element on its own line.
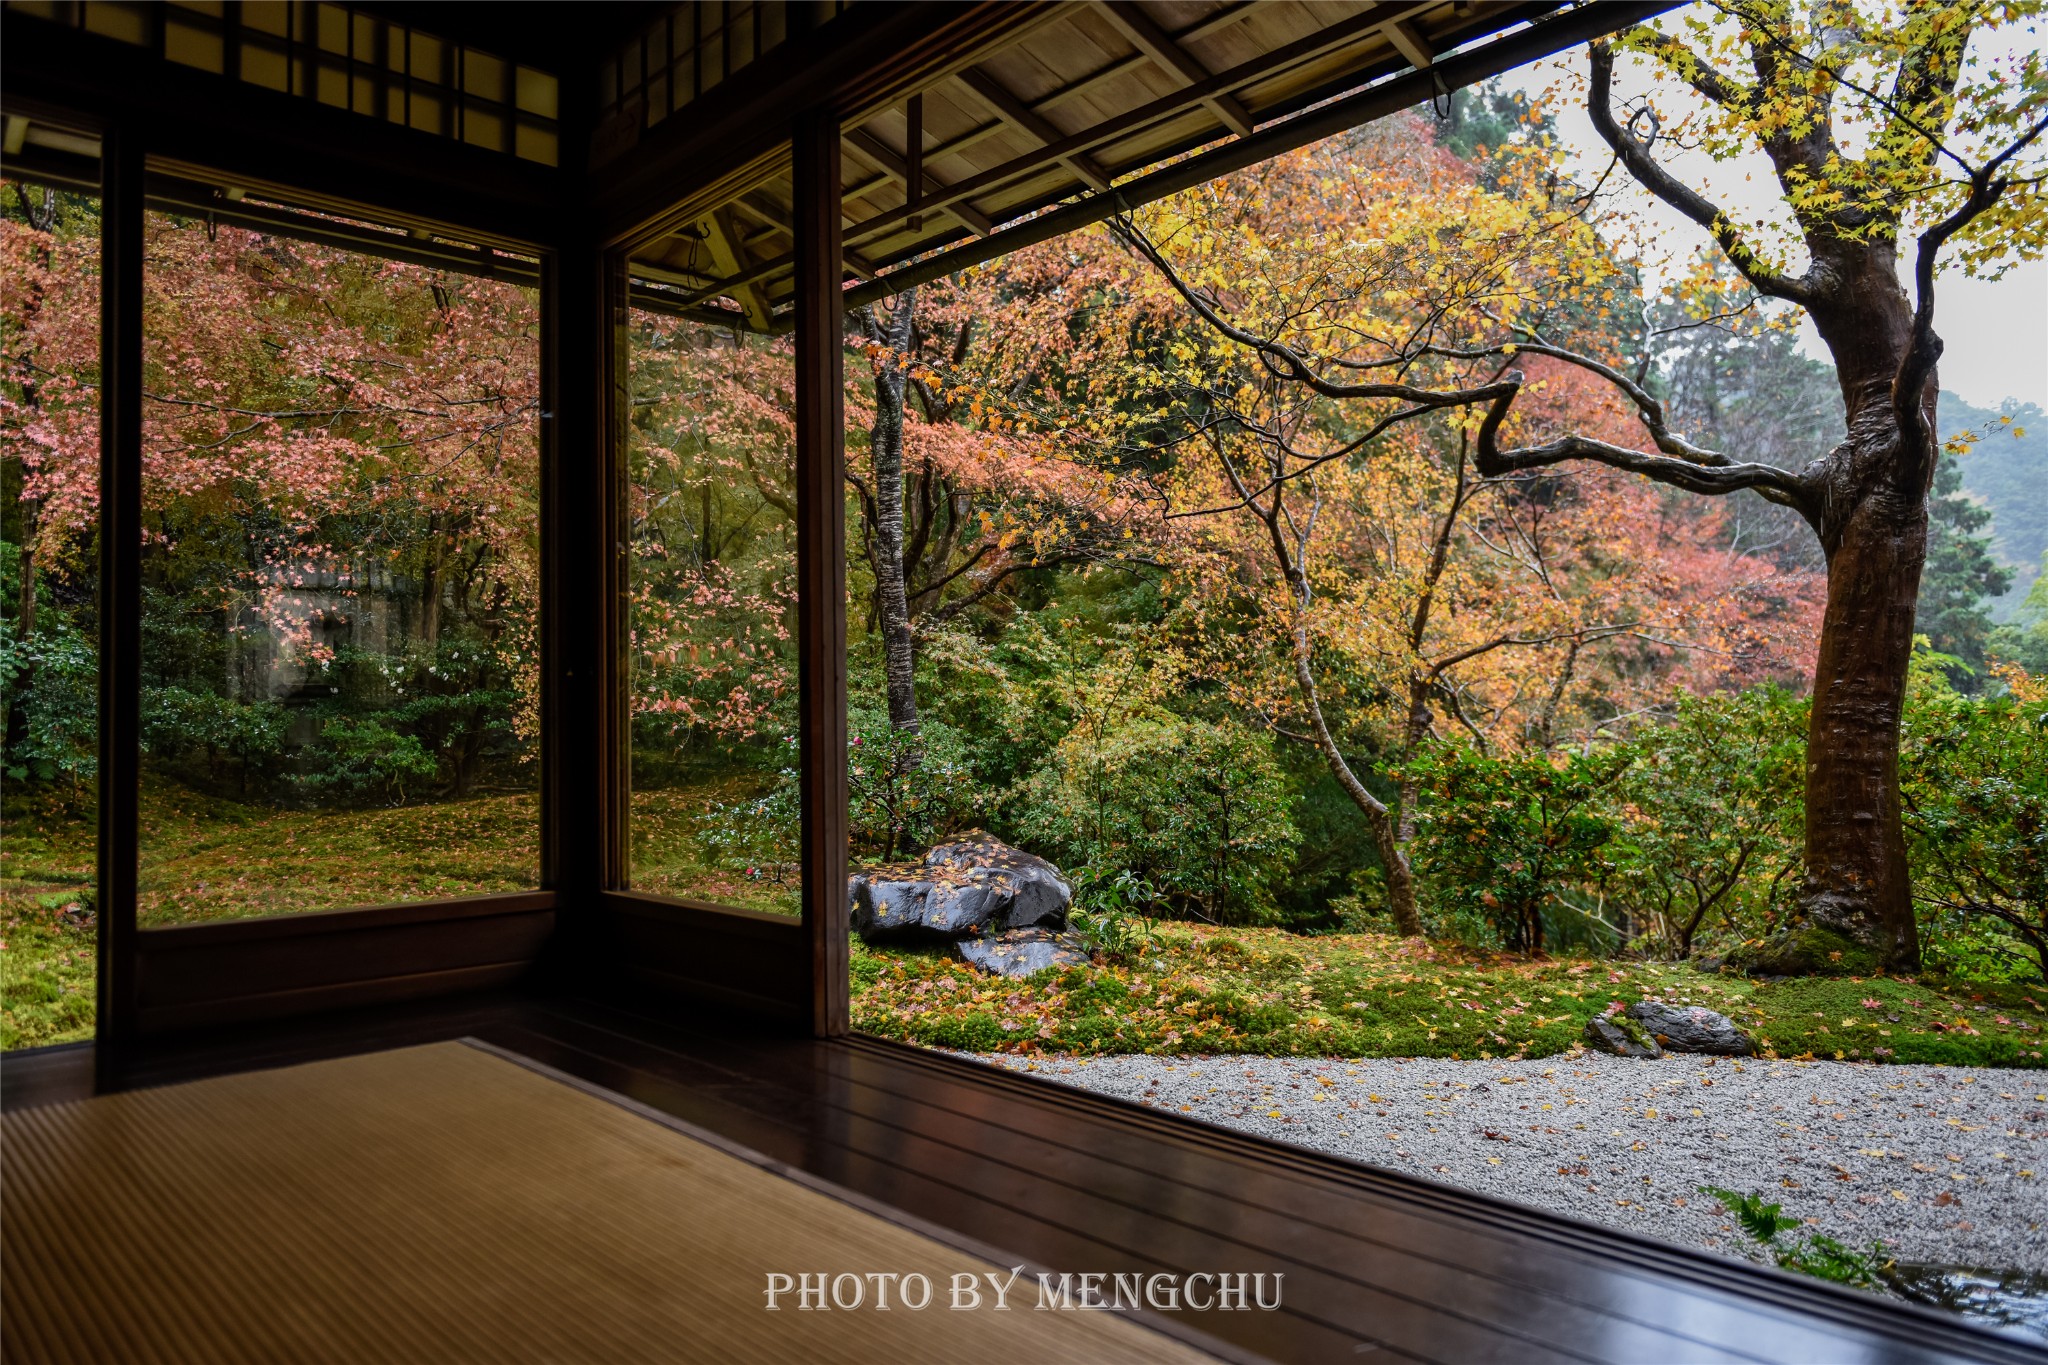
<point x="1415" y="599"/>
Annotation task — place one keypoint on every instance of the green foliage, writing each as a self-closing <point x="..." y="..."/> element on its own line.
<point x="1960" y="576"/>
<point x="181" y="727"/>
<point x="1199" y="810"/>
<point x="1115" y="933"/>
<point x="1760" y="1220"/>
<point x="2002" y="473"/>
<point x="1501" y="841"/>
<point x="2024" y="640"/>
<point x="363" y="759"/>
<point x="759" y="837"/>
<point x="907" y="791"/>
<point x="51" y="709"/>
<point x="1974" y="778"/>
<point x="1708" y="817"/>
<point x="1824" y="1258"/>
<point x="1817" y="1255"/>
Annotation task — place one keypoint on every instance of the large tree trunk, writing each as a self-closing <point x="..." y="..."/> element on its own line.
<point x="1856" y="879"/>
<point x="885" y="442"/>
<point x="1855" y="909"/>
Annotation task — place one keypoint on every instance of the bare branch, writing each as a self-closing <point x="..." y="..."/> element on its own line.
<point x="1924" y="349"/>
<point x="1669" y="188"/>
<point x="1779" y="485"/>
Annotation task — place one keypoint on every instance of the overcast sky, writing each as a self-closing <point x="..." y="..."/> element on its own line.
<point x="1996" y="333"/>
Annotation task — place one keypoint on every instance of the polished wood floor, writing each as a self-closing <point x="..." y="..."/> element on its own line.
<point x="1378" y="1265"/>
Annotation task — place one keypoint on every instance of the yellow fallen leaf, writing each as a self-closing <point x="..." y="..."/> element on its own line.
<point x="1493" y="1161"/>
<point x="1898" y="1194"/>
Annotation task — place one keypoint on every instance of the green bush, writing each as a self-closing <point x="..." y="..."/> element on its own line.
<point x="364" y="759"/>
<point x="759" y="837"/>
<point x="1974" y="779"/>
<point x="1502" y="842"/>
<point x="1198" y="809"/>
<point x="906" y="791"/>
<point x="1707" y="819"/>
<point x="51" y="715"/>
<point x="208" y="731"/>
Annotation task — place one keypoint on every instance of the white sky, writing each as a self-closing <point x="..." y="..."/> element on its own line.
<point x="1995" y="333"/>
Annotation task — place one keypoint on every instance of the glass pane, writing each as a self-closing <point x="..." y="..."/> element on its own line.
<point x="49" y="617"/>
<point x="340" y="555"/>
<point x="711" y="615"/>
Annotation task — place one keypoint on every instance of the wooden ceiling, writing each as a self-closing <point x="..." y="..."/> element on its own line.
<point x="1070" y="104"/>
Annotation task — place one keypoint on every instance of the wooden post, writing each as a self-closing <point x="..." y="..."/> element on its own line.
<point x="821" y="561"/>
<point x="120" y="604"/>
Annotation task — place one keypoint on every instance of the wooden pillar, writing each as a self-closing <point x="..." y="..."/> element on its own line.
<point x="120" y="604"/>
<point x="583" y="779"/>
<point x="821" y="561"/>
<point x="573" y="458"/>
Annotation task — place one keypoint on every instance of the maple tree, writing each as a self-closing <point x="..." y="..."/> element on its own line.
<point x="1877" y="126"/>
<point x="972" y="471"/>
<point x="340" y="497"/>
<point x="1411" y="595"/>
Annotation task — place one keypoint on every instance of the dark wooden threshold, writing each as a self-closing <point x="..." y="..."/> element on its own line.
<point x="694" y="951"/>
<point x="1378" y="1264"/>
<point x="199" y="975"/>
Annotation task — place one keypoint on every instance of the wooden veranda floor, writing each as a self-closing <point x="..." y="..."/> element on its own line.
<point x="1377" y="1264"/>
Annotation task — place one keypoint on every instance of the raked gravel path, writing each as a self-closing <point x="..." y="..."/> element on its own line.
<point x="1945" y="1165"/>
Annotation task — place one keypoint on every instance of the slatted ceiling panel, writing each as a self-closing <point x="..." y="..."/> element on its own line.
<point x="1085" y="95"/>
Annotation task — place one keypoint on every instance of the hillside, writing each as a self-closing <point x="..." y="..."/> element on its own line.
<point x="2009" y="475"/>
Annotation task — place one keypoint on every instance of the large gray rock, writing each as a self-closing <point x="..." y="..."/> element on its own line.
<point x="1024" y="888"/>
<point x="972" y="884"/>
<point x="1620" y="1035"/>
<point x="1691" y="1028"/>
<point x="1020" y="952"/>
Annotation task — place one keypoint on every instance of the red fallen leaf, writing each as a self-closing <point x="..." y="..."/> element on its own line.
<point x="1498" y="1137"/>
<point x="1944" y="1199"/>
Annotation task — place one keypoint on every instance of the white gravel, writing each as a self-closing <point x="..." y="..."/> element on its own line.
<point x="1944" y="1165"/>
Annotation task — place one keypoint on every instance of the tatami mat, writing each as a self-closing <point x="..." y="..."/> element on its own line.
<point x="443" y="1204"/>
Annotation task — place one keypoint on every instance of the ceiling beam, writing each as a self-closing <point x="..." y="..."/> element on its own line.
<point x="1410" y="44"/>
<point x="856" y="263"/>
<point x="1016" y="112"/>
<point x="1466" y="66"/>
<point x="1358" y="29"/>
<point x="1175" y="60"/>
<point x="729" y="259"/>
<point x="872" y="147"/>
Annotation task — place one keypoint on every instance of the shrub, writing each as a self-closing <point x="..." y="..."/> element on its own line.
<point x="181" y="727"/>
<point x="1198" y="809"/>
<point x="51" y="682"/>
<point x="1974" y="779"/>
<point x="1707" y="818"/>
<point x="1500" y="841"/>
<point x="906" y="791"/>
<point x="759" y="837"/>
<point x="362" y="759"/>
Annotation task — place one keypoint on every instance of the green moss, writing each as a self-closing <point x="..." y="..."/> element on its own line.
<point x="1809" y="950"/>
<point x="1261" y="991"/>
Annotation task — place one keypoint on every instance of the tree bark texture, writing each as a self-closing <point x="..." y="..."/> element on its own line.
<point x="892" y="333"/>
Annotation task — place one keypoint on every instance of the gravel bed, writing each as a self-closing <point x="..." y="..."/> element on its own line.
<point x="1943" y="1165"/>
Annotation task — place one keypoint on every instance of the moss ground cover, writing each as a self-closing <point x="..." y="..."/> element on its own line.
<point x="1189" y="989"/>
<point x="213" y="859"/>
<point x="1260" y="991"/>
